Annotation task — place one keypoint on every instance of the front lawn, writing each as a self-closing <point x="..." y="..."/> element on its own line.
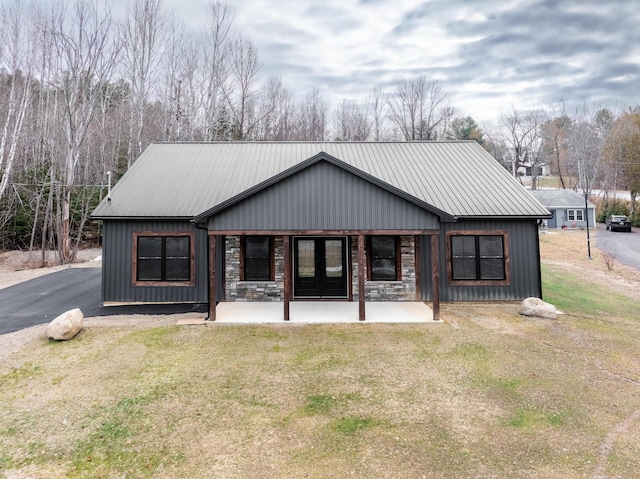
<point x="487" y="393"/>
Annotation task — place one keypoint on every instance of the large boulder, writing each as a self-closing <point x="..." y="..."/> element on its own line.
<point x="65" y="326"/>
<point x="537" y="307"/>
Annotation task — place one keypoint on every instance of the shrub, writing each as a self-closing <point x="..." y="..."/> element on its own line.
<point x="612" y="207"/>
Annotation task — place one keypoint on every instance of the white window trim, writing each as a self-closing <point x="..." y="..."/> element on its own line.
<point x="575" y="215"/>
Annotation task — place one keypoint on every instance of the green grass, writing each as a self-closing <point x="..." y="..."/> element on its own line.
<point x="353" y="424"/>
<point x="17" y="375"/>
<point x="320" y="404"/>
<point x="527" y="419"/>
<point x="573" y="293"/>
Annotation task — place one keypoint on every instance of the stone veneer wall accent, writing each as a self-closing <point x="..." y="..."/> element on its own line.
<point x="236" y="290"/>
<point x="404" y="290"/>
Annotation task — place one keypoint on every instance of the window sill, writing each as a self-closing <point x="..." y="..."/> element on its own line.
<point x="479" y="282"/>
<point x="161" y="284"/>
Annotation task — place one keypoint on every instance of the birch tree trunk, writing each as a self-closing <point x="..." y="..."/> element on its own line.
<point x="142" y="39"/>
<point x="240" y="89"/>
<point x="88" y="59"/>
<point x="216" y="50"/>
<point x="15" y="42"/>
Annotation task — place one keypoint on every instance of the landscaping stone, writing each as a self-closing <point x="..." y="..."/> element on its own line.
<point x="538" y="308"/>
<point x="65" y="326"/>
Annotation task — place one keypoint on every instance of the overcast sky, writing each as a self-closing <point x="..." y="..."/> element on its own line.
<point x="490" y="55"/>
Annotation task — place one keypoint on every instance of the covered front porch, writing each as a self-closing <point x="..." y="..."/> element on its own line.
<point x="352" y="304"/>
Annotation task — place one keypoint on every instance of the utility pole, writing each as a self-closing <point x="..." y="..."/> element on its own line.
<point x="586" y="212"/>
<point x="585" y="190"/>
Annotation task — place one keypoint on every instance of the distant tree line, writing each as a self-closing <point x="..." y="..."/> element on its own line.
<point x="583" y="148"/>
<point x="83" y="93"/>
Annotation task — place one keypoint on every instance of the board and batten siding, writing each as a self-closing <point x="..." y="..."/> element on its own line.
<point x="323" y="197"/>
<point x="117" y="264"/>
<point x="523" y="257"/>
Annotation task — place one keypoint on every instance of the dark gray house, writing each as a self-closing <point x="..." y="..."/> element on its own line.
<point x="278" y="221"/>
<point x="567" y="209"/>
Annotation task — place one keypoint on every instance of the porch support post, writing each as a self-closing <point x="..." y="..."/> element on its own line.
<point x="361" y="276"/>
<point x="435" y="276"/>
<point x="212" y="277"/>
<point x="286" y="244"/>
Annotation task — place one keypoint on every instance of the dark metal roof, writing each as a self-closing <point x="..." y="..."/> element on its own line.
<point x="190" y="179"/>
<point x="336" y="162"/>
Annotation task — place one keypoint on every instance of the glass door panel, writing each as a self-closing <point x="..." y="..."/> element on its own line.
<point x="333" y="258"/>
<point x="306" y="259"/>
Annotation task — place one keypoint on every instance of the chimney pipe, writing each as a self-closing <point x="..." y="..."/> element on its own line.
<point x="109" y="185"/>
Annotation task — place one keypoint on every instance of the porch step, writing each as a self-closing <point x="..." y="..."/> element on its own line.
<point x="190" y="322"/>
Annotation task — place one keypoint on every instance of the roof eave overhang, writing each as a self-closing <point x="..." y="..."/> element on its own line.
<point x="322" y="156"/>
<point x="507" y="217"/>
<point x="556" y="207"/>
<point x="143" y="218"/>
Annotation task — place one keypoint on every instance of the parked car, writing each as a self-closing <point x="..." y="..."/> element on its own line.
<point x="618" y="223"/>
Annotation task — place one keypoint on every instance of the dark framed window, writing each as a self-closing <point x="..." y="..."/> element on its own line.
<point x="383" y="258"/>
<point x="163" y="259"/>
<point x="257" y="258"/>
<point x="478" y="258"/>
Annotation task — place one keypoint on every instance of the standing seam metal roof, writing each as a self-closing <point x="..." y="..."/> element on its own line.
<point x="186" y="179"/>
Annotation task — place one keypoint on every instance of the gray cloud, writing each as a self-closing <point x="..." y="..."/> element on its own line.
<point x="496" y="53"/>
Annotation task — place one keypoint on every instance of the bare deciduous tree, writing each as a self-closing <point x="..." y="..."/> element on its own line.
<point x="523" y="138"/>
<point x="216" y="50"/>
<point x="142" y="41"/>
<point x="16" y="49"/>
<point x="496" y="145"/>
<point x="555" y="135"/>
<point x="240" y="88"/>
<point x="352" y="122"/>
<point x="311" y="118"/>
<point x="419" y="108"/>
<point x="621" y="152"/>
<point x="88" y="56"/>
<point x="275" y="111"/>
<point x="177" y="52"/>
<point x="377" y="103"/>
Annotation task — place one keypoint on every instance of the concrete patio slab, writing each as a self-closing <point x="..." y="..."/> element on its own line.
<point x="312" y="312"/>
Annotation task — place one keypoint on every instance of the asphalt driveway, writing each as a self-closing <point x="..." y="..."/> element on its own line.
<point x="40" y="300"/>
<point x="624" y="247"/>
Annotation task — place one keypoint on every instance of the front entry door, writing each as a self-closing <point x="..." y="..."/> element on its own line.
<point x="320" y="268"/>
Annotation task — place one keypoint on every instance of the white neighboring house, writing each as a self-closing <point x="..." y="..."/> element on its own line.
<point x="567" y="208"/>
<point x="525" y="170"/>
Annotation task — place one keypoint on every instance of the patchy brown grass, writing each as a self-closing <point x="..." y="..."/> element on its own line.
<point x="567" y="251"/>
<point x="487" y="393"/>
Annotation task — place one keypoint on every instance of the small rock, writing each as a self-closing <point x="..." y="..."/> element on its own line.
<point x="537" y="307"/>
<point x="65" y="326"/>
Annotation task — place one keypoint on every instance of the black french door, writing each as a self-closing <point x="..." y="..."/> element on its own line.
<point x="320" y="267"/>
